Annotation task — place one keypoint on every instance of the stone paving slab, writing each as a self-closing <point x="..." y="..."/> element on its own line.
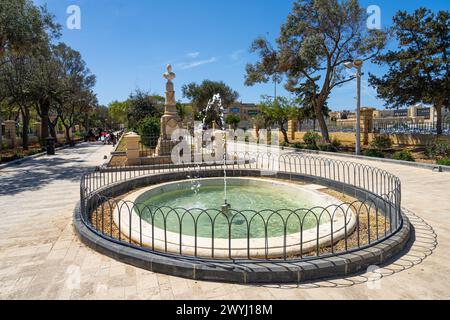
<point x="41" y="257"/>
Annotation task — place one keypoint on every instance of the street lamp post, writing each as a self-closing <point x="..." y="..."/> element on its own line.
<point x="357" y="64"/>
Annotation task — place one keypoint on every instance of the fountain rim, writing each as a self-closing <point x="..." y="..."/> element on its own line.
<point x="143" y="231"/>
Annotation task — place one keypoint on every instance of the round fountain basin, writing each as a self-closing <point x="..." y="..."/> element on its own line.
<point x="265" y="214"/>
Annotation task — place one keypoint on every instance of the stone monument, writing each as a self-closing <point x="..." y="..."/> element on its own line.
<point x="170" y="120"/>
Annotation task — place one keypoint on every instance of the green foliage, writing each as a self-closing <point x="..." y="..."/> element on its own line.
<point x="305" y="101"/>
<point x="437" y="150"/>
<point x="297" y="145"/>
<point x="327" y="147"/>
<point x="419" y="68"/>
<point x="118" y="111"/>
<point x="232" y="120"/>
<point x="99" y="117"/>
<point x="374" y="153"/>
<point x="311" y="139"/>
<point x="143" y="105"/>
<point x="381" y="143"/>
<point x="444" y="162"/>
<point x="336" y="143"/>
<point x="276" y="111"/>
<point x="317" y="38"/>
<point x="149" y="130"/>
<point x="311" y="147"/>
<point x="200" y="94"/>
<point x="403" y="155"/>
<point x="24" y="27"/>
<point x="183" y="110"/>
<point x="260" y="121"/>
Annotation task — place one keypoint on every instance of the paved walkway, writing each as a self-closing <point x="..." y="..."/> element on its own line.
<point x="41" y="257"/>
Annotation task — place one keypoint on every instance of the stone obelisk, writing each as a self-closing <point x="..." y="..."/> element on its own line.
<point x="170" y="120"/>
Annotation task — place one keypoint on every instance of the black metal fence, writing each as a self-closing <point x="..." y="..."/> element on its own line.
<point x="369" y="210"/>
<point x="382" y="127"/>
<point x="409" y="128"/>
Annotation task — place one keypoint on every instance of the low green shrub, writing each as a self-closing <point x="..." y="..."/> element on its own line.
<point x="438" y="150"/>
<point x="297" y="145"/>
<point x="444" y="162"/>
<point x="311" y="147"/>
<point x="374" y="153"/>
<point x="336" y="143"/>
<point x="149" y="130"/>
<point x="381" y="143"/>
<point x="327" y="147"/>
<point x="403" y="155"/>
<point x="311" y="139"/>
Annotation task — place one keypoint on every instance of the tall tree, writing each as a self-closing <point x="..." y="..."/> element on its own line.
<point x="260" y="121"/>
<point x="319" y="36"/>
<point x="304" y="101"/>
<point x="233" y="120"/>
<point x="200" y="94"/>
<point x="23" y="26"/>
<point x="143" y="105"/>
<point x="277" y="111"/>
<point x="15" y="78"/>
<point x="46" y="86"/>
<point x="24" y="29"/>
<point x="118" y="111"/>
<point x="419" y="69"/>
<point x="77" y="98"/>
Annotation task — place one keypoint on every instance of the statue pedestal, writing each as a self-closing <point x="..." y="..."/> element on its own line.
<point x="169" y="124"/>
<point x="170" y="121"/>
<point x="165" y="147"/>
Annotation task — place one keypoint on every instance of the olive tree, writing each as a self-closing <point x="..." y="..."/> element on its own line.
<point x="318" y="37"/>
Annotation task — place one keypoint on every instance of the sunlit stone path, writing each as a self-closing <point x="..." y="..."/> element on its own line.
<point x="41" y="257"/>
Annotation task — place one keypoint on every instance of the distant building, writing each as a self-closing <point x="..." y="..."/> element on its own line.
<point x="418" y="114"/>
<point x="245" y="112"/>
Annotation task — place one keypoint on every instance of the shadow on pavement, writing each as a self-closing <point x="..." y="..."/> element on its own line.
<point x="34" y="174"/>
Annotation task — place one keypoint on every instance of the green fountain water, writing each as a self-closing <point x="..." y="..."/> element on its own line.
<point x="204" y="205"/>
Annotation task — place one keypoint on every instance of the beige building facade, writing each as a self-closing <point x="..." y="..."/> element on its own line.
<point x="245" y="111"/>
<point x="418" y="114"/>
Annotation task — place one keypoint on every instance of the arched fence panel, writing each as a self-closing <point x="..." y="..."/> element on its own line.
<point x="368" y="210"/>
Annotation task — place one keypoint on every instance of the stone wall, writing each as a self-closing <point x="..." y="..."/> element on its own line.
<point x="349" y="138"/>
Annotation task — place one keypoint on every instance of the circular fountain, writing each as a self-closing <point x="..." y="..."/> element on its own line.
<point x="263" y="218"/>
<point x="213" y="214"/>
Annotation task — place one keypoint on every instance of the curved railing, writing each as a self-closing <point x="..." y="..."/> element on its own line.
<point x="367" y="210"/>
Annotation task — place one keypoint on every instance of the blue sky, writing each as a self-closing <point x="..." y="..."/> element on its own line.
<point x="127" y="43"/>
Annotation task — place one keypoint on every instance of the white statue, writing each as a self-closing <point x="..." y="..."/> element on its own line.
<point x="169" y="75"/>
<point x="170" y="91"/>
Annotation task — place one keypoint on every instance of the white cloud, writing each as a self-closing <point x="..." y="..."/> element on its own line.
<point x="194" y="64"/>
<point x="193" y="55"/>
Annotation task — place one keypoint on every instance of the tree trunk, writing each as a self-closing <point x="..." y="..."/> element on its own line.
<point x="25" y="128"/>
<point x="68" y="138"/>
<point x="44" y="105"/>
<point x="86" y="122"/>
<point x="52" y="129"/>
<point x="283" y="130"/>
<point x="438" y="108"/>
<point x="1" y="135"/>
<point x="318" y="109"/>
